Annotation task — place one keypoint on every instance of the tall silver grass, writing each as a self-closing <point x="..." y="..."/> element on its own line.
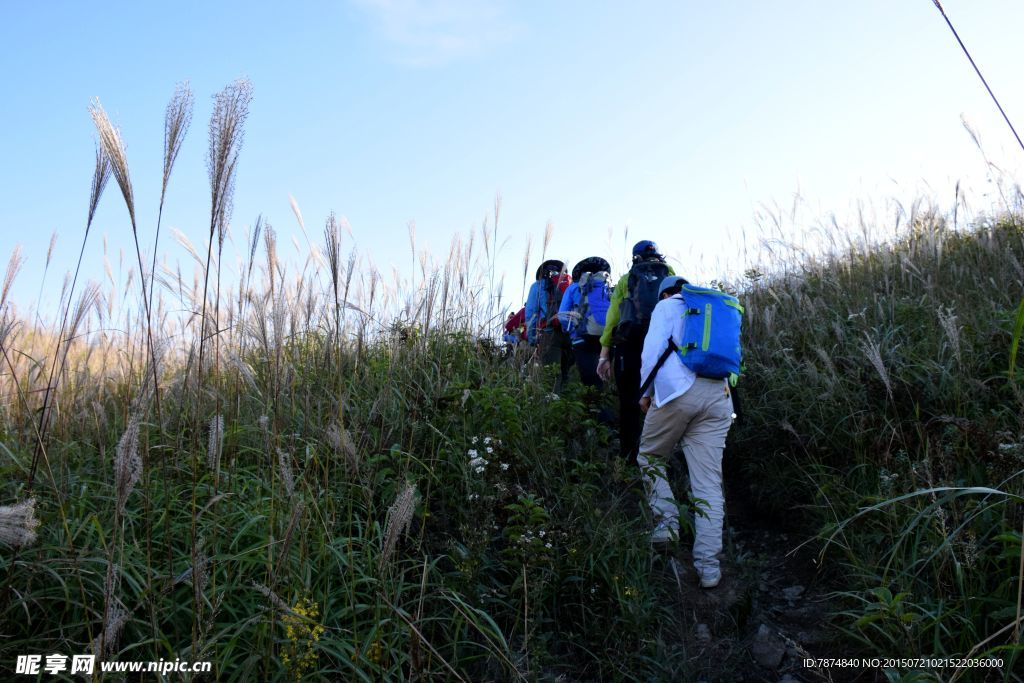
<point x="549" y="231"/>
<point x="114" y="619"/>
<point x="13" y="266"/>
<point x="113" y="148"/>
<point x="127" y="463"/>
<point x="100" y="176"/>
<point x="18" y="523"/>
<point x="341" y="440"/>
<point x="873" y="353"/>
<point x="284" y="469"/>
<point x="215" y="443"/>
<point x="947" y="319"/>
<point x="399" y="518"/>
<point x="177" y="119"/>
<point x="230" y="109"/>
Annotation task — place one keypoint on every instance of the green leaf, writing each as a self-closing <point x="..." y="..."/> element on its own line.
<point x="1018" y="329"/>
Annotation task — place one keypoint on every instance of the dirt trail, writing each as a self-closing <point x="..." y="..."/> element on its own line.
<point x="768" y="614"/>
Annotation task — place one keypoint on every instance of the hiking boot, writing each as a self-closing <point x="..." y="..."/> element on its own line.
<point x="664" y="534"/>
<point x="710" y="580"/>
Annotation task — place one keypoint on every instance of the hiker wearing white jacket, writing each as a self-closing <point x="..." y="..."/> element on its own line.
<point x="698" y="410"/>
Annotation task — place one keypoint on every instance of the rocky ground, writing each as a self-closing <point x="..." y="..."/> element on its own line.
<point x="769" y="613"/>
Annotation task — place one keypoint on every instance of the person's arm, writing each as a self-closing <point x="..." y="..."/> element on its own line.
<point x="569" y="300"/>
<point x="604" y="362"/>
<point x="656" y="341"/>
<point x="612" y="317"/>
<point x="532" y="313"/>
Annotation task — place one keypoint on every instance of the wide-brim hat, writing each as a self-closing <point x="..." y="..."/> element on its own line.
<point x="591" y="264"/>
<point x="549" y="266"/>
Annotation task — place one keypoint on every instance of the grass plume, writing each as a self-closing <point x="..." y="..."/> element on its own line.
<point x="18" y="523"/>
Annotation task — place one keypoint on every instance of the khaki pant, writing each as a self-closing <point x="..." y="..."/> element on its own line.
<point x="701" y="417"/>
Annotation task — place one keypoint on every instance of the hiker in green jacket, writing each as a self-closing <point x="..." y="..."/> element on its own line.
<point x="628" y="318"/>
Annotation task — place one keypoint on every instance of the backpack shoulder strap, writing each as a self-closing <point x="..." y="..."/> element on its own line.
<point x="657" y="366"/>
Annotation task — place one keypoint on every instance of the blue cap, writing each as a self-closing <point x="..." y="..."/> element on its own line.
<point x="670" y="282"/>
<point x="645" y="248"/>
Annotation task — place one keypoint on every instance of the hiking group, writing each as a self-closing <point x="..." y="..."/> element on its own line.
<point x="674" y="352"/>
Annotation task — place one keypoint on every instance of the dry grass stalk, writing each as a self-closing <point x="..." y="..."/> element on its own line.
<point x="526" y="263"/>
<point x="873" y="353"/>
<point x="113" y="150"/>
<point x="284" y="469"/>
<point x="298" y="213"/>
<point x="274" y="598"/>
<point x="332" y="241"/>
<point x="114" y="619"/>
<point x="177" y="119"/>
<point x="18" y="523"/>
<point x="948" y="321"/>
<point x="341" y="441"/>
<point x="289" y="534"/>
<point x="13" y="266"/>
<point x="215" y="444"/>
<point x="7" y="327"/>
<point x="127" y="463"/>
<point x="398" y="520"/>
<point x="100" y="176"/>
<point x="549" y="230"/>
<point x="230" y="109"/>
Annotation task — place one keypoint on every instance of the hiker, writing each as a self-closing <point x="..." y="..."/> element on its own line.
<point x="691" y="356"/>
<point x="515" y="328"/>
<point x="543" y="329"/>
<point x="583" y="312"/>
<point x="633" y="299"/>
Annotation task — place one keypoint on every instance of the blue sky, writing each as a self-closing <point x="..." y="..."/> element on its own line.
<point x="682" y="120"/>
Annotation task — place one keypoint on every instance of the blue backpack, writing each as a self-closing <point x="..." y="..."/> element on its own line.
<point x="592" y="310"/>
<point x="711" y="333"/>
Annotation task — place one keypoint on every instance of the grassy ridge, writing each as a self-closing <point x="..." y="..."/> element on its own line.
<point x="879" y="374"/>
<point x="316" y="473"/>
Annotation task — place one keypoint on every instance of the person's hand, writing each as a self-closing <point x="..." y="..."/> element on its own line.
<point x="645" y="404"/>
<point x="604" y="367"/>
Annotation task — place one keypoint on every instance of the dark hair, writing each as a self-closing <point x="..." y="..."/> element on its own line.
<point x="674" y="289"/>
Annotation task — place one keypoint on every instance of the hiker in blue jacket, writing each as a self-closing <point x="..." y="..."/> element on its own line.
<point x="543" y="328"/>
<point x="582" y="313"/>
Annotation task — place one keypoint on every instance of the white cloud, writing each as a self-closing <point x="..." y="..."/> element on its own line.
<point x="437" y="32"/>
